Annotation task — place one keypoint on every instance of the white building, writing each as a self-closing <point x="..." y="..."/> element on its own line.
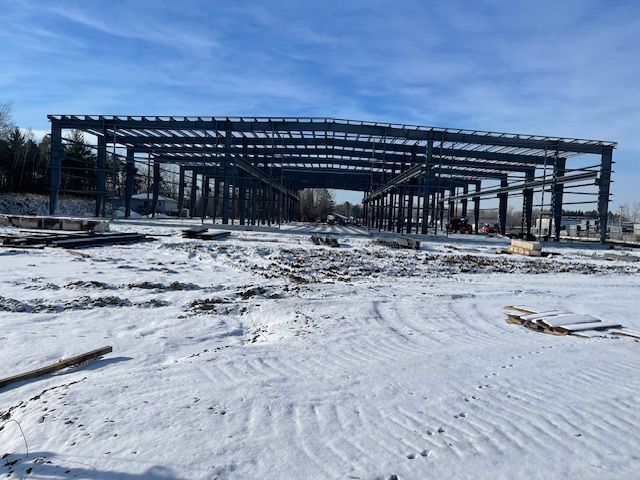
<point x="143" y="203"/>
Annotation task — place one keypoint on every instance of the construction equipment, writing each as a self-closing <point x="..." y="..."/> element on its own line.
<point x="459" y="225"/>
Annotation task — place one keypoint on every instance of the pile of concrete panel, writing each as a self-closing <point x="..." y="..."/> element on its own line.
<point x="56" y="223"/>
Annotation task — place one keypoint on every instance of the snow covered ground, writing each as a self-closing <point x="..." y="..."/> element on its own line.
<point x="266" y="357"/>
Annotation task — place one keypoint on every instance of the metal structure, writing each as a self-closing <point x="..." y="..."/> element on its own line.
<point x="411" y="176"/>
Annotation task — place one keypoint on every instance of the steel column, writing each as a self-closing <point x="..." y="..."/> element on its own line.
<point x="225" y="191"/>
<point x="156" y="188"/>
<point x="180" y="191"/>
<point x="55" y="167"/>
<point x="194" y="189"/>
<point x="502" y="208"/>
<point x="476" y="209"/>
<point x="130" y="174"/>
<point x="606" y="163"/>
<point x="558" y="191"/>
<point x="464" y="202"/>
<point x="101" y="167"/>
<point x="528" y="203"/>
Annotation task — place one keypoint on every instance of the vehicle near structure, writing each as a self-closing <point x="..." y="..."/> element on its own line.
<point x="459" y="225"/>
<point x="489" y="228"/>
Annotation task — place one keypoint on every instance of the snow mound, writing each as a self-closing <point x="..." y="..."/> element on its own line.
<point x="33" y="204"/>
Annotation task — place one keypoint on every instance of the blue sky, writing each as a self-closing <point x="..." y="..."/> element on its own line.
<point x="567" y="68"/>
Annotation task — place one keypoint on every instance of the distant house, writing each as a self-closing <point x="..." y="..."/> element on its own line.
<point x="143" y="203"/>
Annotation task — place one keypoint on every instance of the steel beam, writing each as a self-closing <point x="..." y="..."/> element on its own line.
<point x="333" y="126"/>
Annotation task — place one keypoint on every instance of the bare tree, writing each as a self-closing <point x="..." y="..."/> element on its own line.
<point x="5" y="120"/>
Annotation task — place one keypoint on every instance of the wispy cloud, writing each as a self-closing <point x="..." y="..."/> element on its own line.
<point x="557" y="68"/>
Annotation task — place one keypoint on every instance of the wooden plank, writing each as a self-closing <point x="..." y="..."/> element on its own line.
<point x="587" y="326"/>
<point x="534" y="317"/>
<point x="626" y="334"/>
<point x="567" y="319"/>
<point x="520" y="309"/>
<point x="68" y="362"/>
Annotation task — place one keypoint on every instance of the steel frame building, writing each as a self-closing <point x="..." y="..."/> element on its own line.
<point x="410" y="175"/>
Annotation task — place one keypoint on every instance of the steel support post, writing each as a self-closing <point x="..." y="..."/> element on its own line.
<point x="606" y="163"/>
<point x="381" y="214"/>
<point x="502" y="207"/>
<point x="101" y="168"/>
<point x="476" y="209"/>
<point x="180" y="191"/>
<point x="252" y="201"/>
<point x="409" y="215"/>
<point x="243" y="196"/>
<point x="400" y="212"/>
<point x="156" y="187"/>
<point x="441" y="207"/>
<point x="558" y="193"/>
<point x="424" y="211"/>
<point x="436" y="211"/>
<point x="225" y="191"/>
<point x="527" y="199"/>
<point x="432" y="219"/>
<point x="55" y="166"/>
<point x="464" y="202"/>
<point x="392" y="211"/>
<point x="130" y="174"/>
<point x="206" y="180"/>
<point x="194" y="190"/>
<point x="264" y="208"/>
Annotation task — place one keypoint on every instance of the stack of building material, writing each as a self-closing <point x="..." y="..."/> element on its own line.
<point x="326" y="239"/>
<point x="558" y="322"/>
<point x="400" y="242"/>
<point x="524" y="247"/>
<point x="201" y="233"/>
<point x="77" y="240"/>
<point x="56" y="223"/>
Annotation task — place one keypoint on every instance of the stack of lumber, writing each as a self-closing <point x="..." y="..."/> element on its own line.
<point x="326" y="239"/>
<point x="77" y="240"/>
<point x="524" y="247"/>
<point x="201" y="233"/>
<point x="558" y="322"/>
<point x="400" y="242"/>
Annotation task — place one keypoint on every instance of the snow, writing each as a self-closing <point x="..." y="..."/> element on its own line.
<point x="264" y="356"/>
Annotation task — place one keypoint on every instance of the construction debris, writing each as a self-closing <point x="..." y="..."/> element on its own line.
<point x="76" y="240"/>
<point x="56" y="223"/>
<point x="400" y="242"/>
<point x="558" y="322"/>
<point x="326" y="239"/>
<point x="201" y="233"/>
<point x="60" y="365"/>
